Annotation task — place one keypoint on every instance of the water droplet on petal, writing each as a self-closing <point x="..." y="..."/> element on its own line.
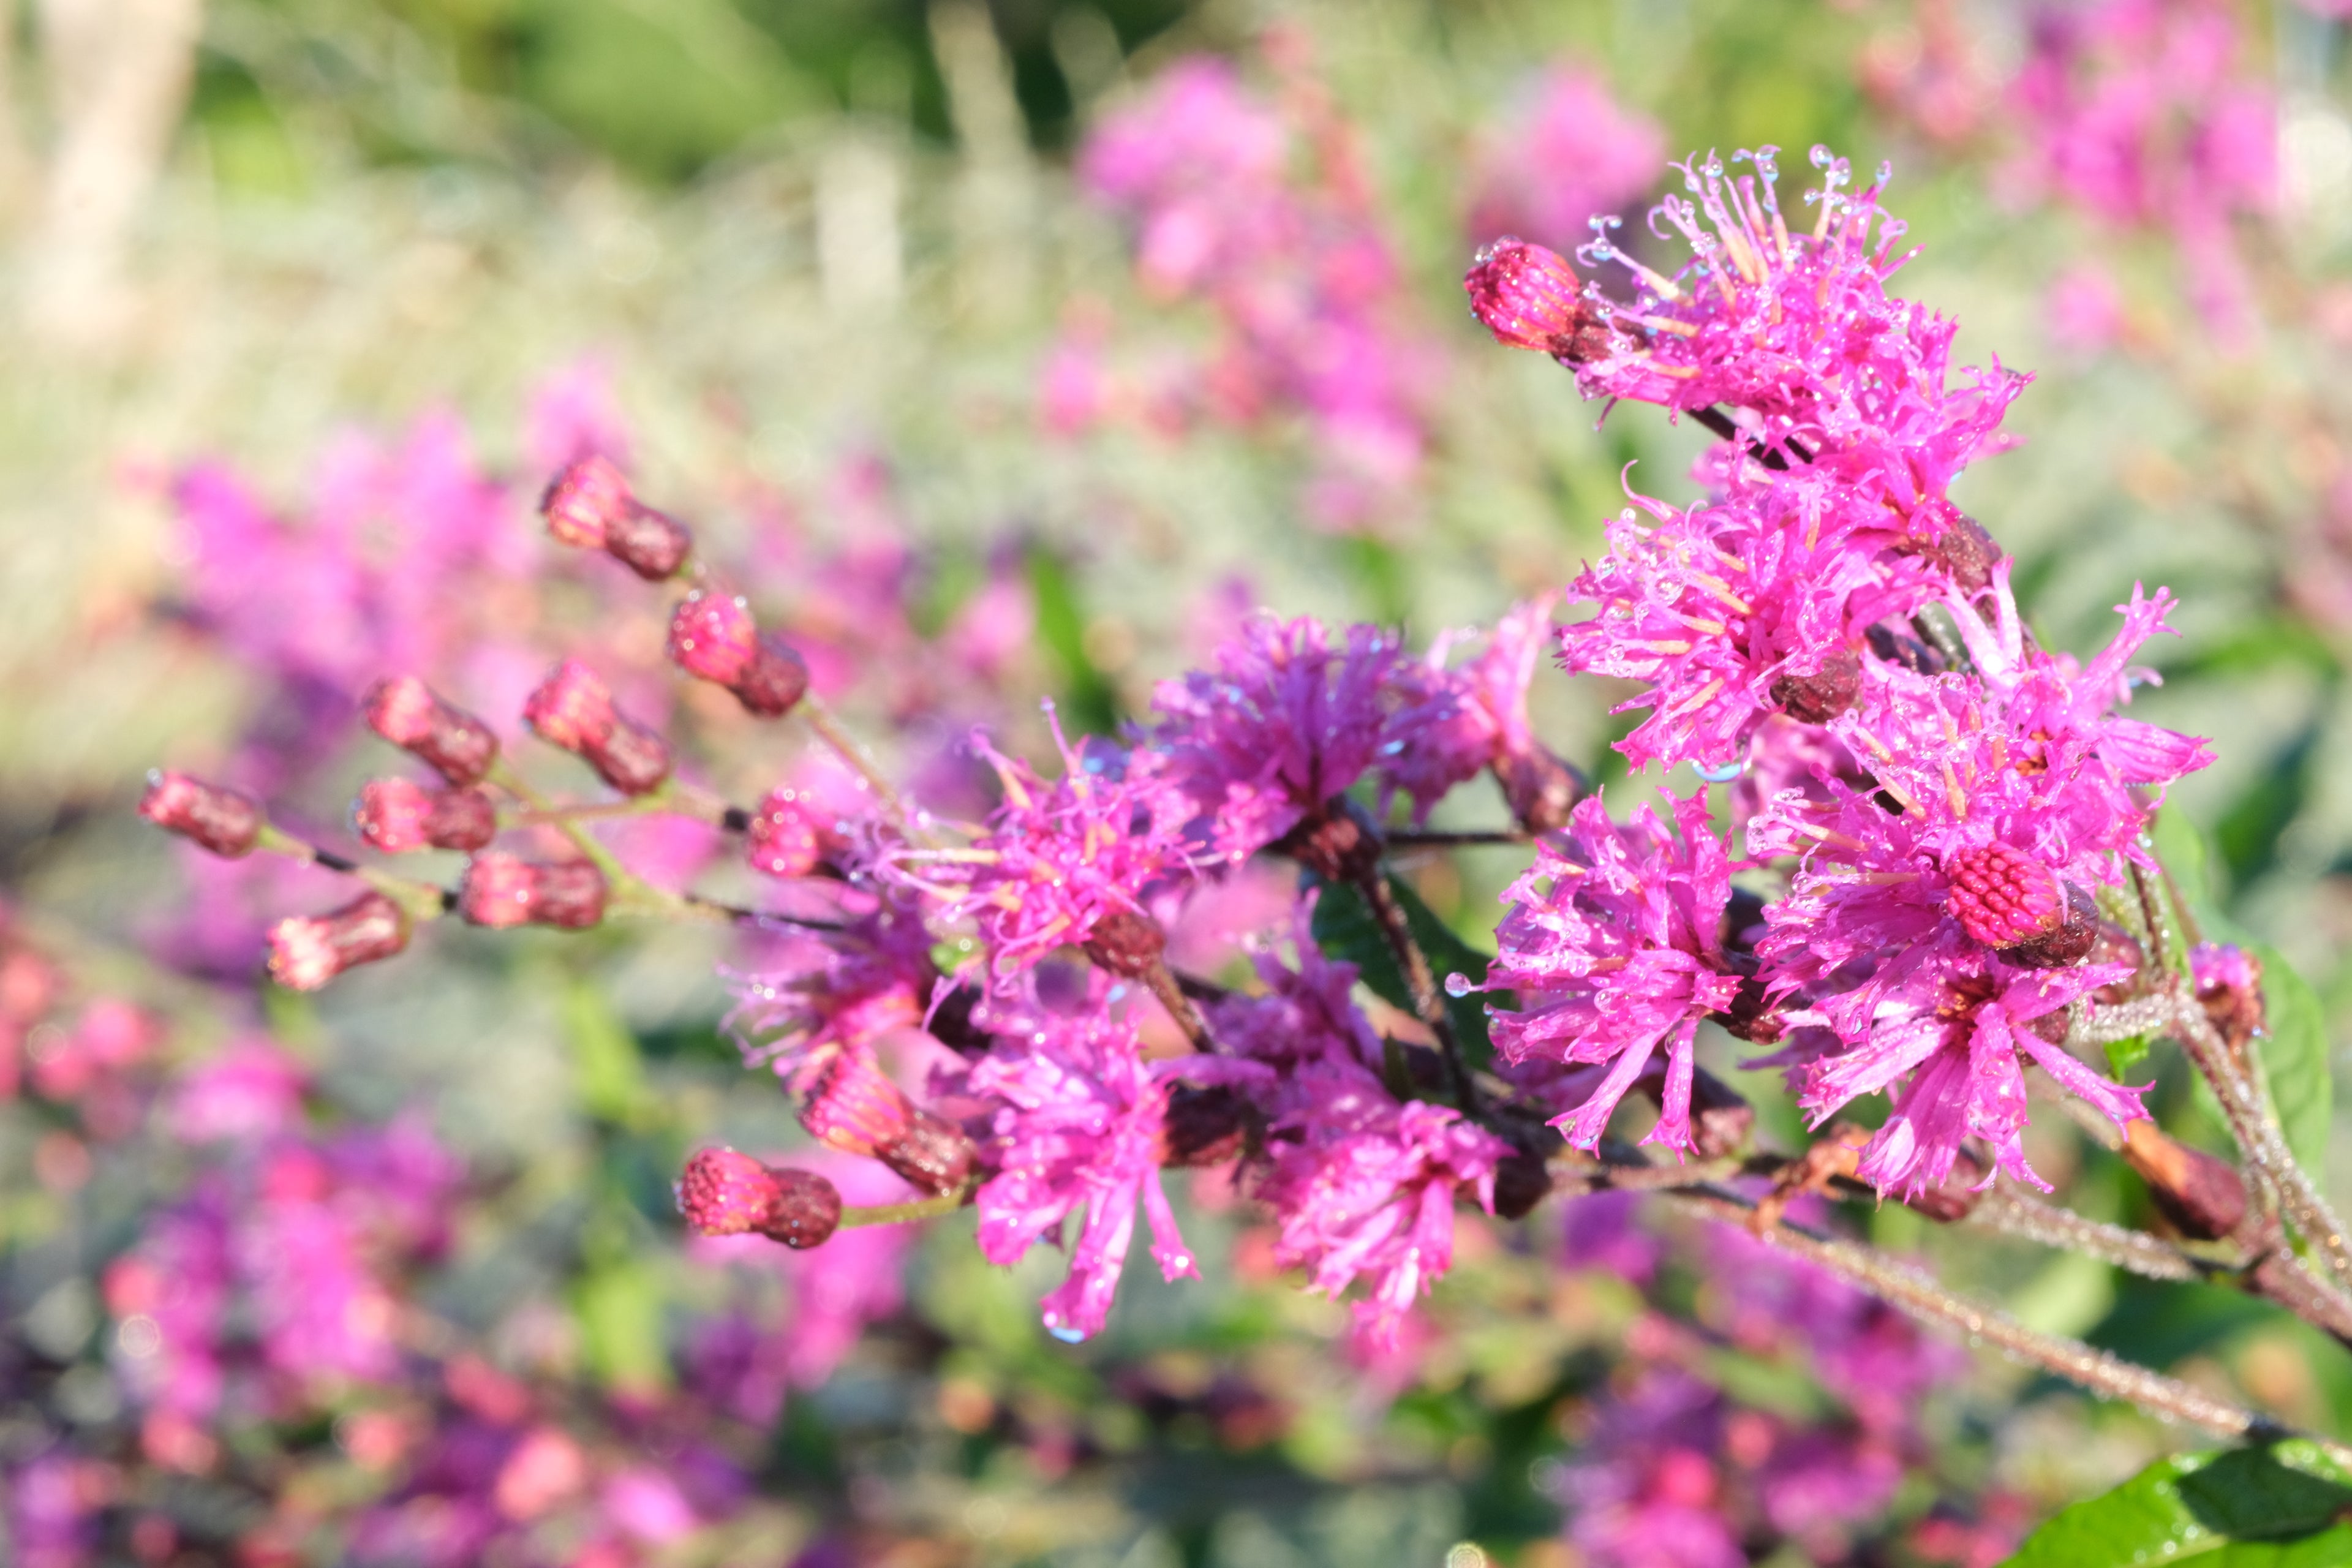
<point x="1724" y="774"/>
<point x="1066" y="1334"/>
<point x="1457" y="985"/>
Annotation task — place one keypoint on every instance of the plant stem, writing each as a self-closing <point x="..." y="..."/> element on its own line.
<point x="1428" y="1004"/>
<point x="1912" y="1290"/>
<point x="419" y="900"/>
<point x="2266" y="1151"/>
<point x="899" y="1214"/>
<point x="847" y="748"/>
<point x="1408" y="839"/>
<point x="2030" y="1219"/>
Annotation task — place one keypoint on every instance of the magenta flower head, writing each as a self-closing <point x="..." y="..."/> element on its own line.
<point x="306" y="952"/>
<point x="404" y="710"/>
<point x="1081" y="1128"/>
<point x="722" y="1193"/>
<point x="713" y="638"/>
<point x="225" y="821"/>
<point x="397" y="816"/>
<point x="500" y="891"/>
<point x="1614" y="946"/>
<point x="589" y="505"/>
<point x="855" y="1108"/>
<point x="787" y="837"/>
<point x="1282" y="723"/>
<point x="1364" y="1187"/>
<point x="1066" y="864"/>
<point x="1530" y="297"/>
<point x="573" y="709"/>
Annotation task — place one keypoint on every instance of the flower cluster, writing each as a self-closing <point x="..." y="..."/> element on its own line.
<point x="1946" y="795"/>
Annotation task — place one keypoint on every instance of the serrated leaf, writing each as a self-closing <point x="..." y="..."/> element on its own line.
<point x="2295" y="1053"/>
<point x="2273" y="1507"/>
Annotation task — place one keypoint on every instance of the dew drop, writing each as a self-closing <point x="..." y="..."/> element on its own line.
<point x="1724" y="774"/>
<point x="1457" y="985"/>
<point x="1066" y="1334"/>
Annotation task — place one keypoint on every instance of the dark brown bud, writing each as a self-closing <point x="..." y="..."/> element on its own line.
<point x="932" y="1153"/>
<point x="807" y="1210"/>
<point x="648" y="543"/>
<point x="1752" y="1016"/>
<point x="1721" y="1117"/>
<point x="1335" y="843"/>
<point x="1902" y="649"/>
<point x="1821" y="696"/>
<point x="1963" y="549"/>
<point x="1203" y="1126"/>
<point x="773" y="682"/>
<point x="1127" y="942"/>
<point x="1957" y="1196"/>
<point x="2201" y="1195"/>
<point x="1522" y="1180"/>
<point x="2066" y="944"/>
<point x="2116" y="945"/>
<point x="225" y="821"/>
<point x="952" y="1022"/>
<point x="1539" y="788"/>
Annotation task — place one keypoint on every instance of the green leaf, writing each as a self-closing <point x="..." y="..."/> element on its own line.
<point x="2273" y="1507"/>
<point x="1089" y="702"/>
<point x="1344" y="928"/>
<point x="2125" y="1055"/>
<point x="2295" y="1059"/>
<point x="1449" y="955"/>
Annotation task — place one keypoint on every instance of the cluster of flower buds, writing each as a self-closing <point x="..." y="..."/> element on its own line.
<point x="591" y="506"/>
<point x="722" y="1193"/>
<point x="573" y="707"/>
<point x="713" y="638"/>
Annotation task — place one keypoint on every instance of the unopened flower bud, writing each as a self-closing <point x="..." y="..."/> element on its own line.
<point x="573" y="709"/>
<point x="722" y="1193"/>
<point x="786" y="838"/>
<point x="1522" y="1181"/>
<point x="2229" y="983"/>
<point x="397" y="816"/>
<point x="856" y="1109"/>
<point x="307" y="952"/>
<point x="1203" y="1125"/>
<point x="225" y="821"/>
<point x="1127" y="942"/>
<point x="1335" y="844"/>
<point x="404" y="710"/>
<point x="712" y="637"/>
<point x="585" y="500"/>
<point x="1530" y="297"/>
<point x="652" y="545"/>
<point x="1824" y="693"/>
<point x="774" y="682"/>
<point x="502" y="890"/>
<point x="1539" y="787"/>
<point x="2203" y="1196"/>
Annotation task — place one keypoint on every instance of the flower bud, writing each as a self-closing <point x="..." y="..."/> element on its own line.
<point x="2203" y="1195"/>
<point x="786" y="838"/>
<point x="650" y="543"/>
<point x="307" y="952"/>
<point x="1203" y="1125"/>
<point x="1539" y="787"/>
<point x="2229" y="984"/>
<point x="1821" y="696"/>
<point x="1530" y="297"/>
<point x="712" y="637"/>
<point x="856" y="1109"/>
<point x="1522" y="1181"/>
<point x="225" y="821"/>
<point x="1127" y="942"/>
<point x="2007" y="899"/>
<point x="573" y="709"/>
<point x="501" y="891"/>
<point x="774" y="682"/>
<point x="585" y="500"/>
<point x="404" y="710"/>
<point x="398" y="817"/>
<point x="722" y="1193"/>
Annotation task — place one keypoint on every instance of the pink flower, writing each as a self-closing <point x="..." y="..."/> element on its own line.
<point x="1364" y="1188"/>
<point x="1450" y="724"/>
<point x="1614" y="944"/>
<point x="1079" y="1132"/>
<point x="817" y="995"/>
<point x="1305" y="1013"/>
<point x="1565" y="152"/>
<point x="1279" y="725"/>
<point x="251" y="1092"/>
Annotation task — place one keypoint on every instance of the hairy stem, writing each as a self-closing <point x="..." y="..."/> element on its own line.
<point x="2306" y="1206"/>
<point x="2030" y="1219"/>
<point x="1914" y="1291"/>
<point x="899" y="1214"/>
